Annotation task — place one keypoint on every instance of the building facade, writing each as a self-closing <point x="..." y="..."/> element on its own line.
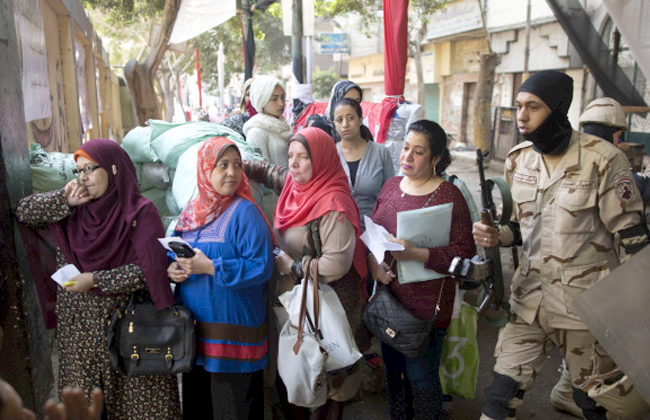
<point x="466" y="29"/>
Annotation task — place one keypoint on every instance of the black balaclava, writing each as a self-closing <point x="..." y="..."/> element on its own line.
<point x="556" y="90"/>
<point x="601" y="130"/>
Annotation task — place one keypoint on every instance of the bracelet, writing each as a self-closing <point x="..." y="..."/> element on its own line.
<point x="296" y="269"/>
<point x="95" y="278"/>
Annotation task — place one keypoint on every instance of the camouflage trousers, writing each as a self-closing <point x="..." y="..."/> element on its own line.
<point x="522" y="350"/>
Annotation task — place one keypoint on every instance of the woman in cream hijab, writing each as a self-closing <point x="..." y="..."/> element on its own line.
<point x="268" y="130"/>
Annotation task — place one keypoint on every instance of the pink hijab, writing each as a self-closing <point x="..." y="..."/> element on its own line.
<point x="210" y="204"/>
<point x="327" y="190"/>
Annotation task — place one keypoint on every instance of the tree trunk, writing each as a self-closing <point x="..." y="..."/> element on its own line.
<point x="417" y="57"/>
<point x="140" y="76"/>
<point x="415" y="44"/>
<point x="483" y="111"/>
<point x="165" y="87"/>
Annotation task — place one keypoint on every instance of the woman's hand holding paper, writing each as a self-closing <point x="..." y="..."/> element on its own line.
<point x="411" y="252"/>
<point x="81" y="283"/>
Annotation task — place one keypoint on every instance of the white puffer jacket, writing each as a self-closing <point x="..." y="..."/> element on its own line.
<point x="271" y="135"/>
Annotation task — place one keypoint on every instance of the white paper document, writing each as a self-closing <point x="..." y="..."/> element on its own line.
<point x="428" y="227"/>
<point x="165" y="241"/>
<point x="65" y="274"/>
<point x="377" y="239"/>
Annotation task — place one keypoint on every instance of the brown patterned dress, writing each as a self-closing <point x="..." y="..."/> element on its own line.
<point x="82" y="320"/>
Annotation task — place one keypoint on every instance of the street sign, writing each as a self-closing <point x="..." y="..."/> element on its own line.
<point x="334" y="43"/>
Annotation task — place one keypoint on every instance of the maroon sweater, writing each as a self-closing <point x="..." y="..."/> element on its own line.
<point x="421" y="298"/>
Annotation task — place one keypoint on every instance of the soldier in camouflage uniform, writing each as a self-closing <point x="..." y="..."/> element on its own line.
<point x="572" y="192"/>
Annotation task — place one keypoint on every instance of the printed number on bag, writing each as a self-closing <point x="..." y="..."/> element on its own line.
<point x="455" y="354"/>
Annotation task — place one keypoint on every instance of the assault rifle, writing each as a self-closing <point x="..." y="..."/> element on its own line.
<point x="494" y="289"/>
<point x="487" y="270"/>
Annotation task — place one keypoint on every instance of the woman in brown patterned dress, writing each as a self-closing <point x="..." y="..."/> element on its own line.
<point x="104" y="227"/>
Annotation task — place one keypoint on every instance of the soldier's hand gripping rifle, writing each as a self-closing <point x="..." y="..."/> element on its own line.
<point x="487" y="270"/>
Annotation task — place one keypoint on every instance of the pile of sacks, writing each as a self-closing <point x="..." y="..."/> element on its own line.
<point x="50" y="170"/>
<point x="164" y="156"/>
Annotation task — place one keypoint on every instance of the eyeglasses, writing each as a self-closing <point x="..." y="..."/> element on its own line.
<point x="86" y="170"/>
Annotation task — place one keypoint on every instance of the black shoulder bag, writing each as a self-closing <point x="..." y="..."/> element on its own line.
<point x="143" y="340"/>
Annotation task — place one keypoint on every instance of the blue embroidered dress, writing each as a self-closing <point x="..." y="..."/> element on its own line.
<point x="230" y="307"/>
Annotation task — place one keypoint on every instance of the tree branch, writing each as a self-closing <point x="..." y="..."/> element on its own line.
<point x="159" y="45"/>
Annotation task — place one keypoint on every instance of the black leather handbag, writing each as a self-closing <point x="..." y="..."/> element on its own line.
<point x="143" y="340"/>
<point x="393" y="324"/>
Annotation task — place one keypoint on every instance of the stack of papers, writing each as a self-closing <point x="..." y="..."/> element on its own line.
<point x="428" y="227"/>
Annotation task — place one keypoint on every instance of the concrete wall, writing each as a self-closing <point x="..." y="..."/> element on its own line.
<point x="504" y="14"/>
<point x="549" y="49"/>
<point x="25" y="356"/>
<point x="463" y="67"/>
<point x="456" y="39"/>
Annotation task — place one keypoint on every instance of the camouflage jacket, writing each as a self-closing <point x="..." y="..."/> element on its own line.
<point x="568" y="220"/>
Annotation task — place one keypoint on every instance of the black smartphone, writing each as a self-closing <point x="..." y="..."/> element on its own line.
<point x="181" y="249"/>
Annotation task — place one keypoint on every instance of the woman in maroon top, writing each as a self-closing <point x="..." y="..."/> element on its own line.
<point x="423" y="158"/>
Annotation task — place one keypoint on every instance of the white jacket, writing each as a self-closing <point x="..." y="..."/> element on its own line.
<point x="271" y="135"/>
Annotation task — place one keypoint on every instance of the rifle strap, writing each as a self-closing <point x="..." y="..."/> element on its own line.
<point x="506" y="198"/>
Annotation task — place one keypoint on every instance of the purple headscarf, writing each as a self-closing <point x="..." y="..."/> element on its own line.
<point x="120" y="227"/>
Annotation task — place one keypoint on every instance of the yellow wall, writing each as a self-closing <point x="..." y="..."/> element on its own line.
<point x="443" y="61"/>
<point x="367" y="69"/>
<point x="465" y="55"/>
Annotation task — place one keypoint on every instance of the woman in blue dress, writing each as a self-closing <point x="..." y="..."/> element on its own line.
<point x="225" y="287"/>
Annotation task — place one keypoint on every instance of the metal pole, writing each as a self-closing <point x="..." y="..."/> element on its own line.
<point x="296" y="41"/>
<point x="527" y="48"/>
<point x="248" y="40"/>
<point x="308" y="59"/>
<point x="198" y="75"/>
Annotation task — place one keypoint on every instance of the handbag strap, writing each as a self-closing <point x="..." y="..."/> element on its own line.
<point x="435" y="314"/>
<point x="433" y="194"/>
<point x="129" y="308"/>
<point x="314" y="279"/>
<point x="301" y="317"/>
<point x="303" y="304"/>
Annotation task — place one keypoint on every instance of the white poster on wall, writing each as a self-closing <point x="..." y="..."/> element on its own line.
<point x="36" y="87"/>
<point x="80" y="55"/>
<point x="98" y="82"/>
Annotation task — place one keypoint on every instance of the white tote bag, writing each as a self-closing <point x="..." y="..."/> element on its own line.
<point x="335" y="333"/>
<point x="301" y="358"/>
